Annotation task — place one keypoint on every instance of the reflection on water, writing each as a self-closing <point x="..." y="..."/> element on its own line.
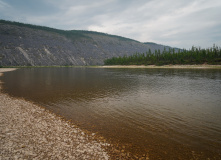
<point x="171" y="113"/>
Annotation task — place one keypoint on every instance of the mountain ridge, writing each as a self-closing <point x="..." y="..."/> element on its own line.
<point x="31" y="45"/>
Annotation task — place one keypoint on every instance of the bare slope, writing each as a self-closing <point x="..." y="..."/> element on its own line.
<point x="30" y="45"/>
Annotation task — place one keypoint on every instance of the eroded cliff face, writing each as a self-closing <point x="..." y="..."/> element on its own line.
<point x="25" y="46"/>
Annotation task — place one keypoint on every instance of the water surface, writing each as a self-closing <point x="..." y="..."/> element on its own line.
<point x="169" y="113"/>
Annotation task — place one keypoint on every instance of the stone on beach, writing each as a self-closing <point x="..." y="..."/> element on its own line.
<point x="28" y="131"/>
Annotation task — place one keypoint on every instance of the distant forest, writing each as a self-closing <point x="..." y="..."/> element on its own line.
<point x="193" y="56"/>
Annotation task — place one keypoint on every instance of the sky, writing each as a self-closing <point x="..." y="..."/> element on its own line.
<point x="176" y="23"/>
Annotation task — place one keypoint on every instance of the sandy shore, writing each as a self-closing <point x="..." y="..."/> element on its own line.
<point x="166" y="66"/>
<point x="28" y="131"/>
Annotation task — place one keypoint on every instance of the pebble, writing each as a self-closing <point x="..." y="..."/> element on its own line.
<point x="39" y="134"/>
<point x="28" y="131"/>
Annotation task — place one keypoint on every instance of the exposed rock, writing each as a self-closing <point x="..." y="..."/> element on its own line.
<point x="28" y="45"/>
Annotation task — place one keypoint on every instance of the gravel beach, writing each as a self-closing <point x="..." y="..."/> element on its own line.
<point x="28" y="131"/>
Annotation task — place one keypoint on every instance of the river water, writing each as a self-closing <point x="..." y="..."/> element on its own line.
<point x="167" y="113"/>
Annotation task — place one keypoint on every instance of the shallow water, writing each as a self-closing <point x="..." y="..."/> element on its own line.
<point x="168" y="113"/>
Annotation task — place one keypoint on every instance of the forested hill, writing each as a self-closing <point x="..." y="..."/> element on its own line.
<point x="31" y="45"/>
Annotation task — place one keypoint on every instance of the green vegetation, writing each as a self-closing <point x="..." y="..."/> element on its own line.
<point x="193" y="56"/>
<point x="71" y="34"/>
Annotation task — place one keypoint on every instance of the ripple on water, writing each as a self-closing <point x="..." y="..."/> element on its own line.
<point x="170" y="112"/>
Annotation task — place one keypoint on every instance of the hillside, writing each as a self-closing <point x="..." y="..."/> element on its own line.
<point x="30" y="45"/>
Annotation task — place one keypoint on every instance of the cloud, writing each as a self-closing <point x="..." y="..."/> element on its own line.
<point x="175" y="23"/>
<point x="3" y="5"/>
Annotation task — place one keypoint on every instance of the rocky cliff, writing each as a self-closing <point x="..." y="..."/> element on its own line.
<point x="29" y="45"/>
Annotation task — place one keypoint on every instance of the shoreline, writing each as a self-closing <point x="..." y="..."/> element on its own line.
<point x="203" y="66"/>
<point x="176" y="66"/>
<point x="28" y="131"/>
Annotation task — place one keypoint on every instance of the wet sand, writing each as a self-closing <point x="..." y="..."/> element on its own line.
<point x="28" y="131"/>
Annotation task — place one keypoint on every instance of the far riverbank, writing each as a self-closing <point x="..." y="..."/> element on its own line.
<point x="203" y="66"/>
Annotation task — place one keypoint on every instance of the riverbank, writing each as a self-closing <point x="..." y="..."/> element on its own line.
<point x="203" y="66"/>
<point x="28" y="131"/>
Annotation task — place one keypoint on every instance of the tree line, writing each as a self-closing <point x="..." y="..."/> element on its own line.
<point x="195" y="55"/>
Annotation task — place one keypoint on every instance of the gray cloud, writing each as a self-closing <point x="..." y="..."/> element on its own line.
<point x="175" y="23"/>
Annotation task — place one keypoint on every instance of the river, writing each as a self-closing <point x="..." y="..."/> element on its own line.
<point x="167" y="113"/>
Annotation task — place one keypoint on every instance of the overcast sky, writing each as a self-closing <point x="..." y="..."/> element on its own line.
<point x="177" y="23"/>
